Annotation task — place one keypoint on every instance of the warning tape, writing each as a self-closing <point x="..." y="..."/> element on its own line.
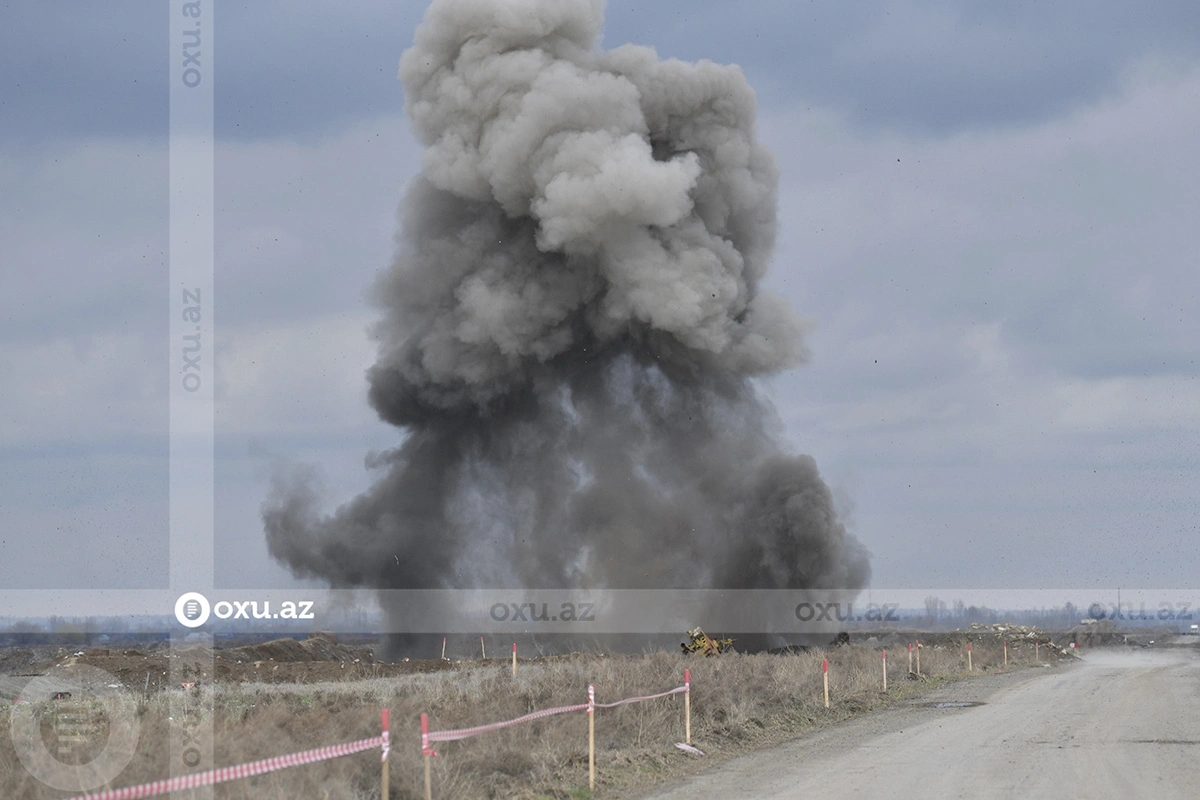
<point x="676" y="690"/>
<point x="224" y="774"/>
<point x="464" y="733"/>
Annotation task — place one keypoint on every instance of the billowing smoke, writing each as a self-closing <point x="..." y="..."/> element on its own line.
<point x="571" y="326"/>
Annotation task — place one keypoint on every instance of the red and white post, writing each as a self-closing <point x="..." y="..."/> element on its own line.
<point x="591" y="712"/>
<point x="825" y="671"/>
<point x="687" y="706"/>
<point x="387" y="741"/>
<point x="427" y="753"/>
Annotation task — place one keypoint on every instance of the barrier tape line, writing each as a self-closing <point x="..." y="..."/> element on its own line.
<point x="223" y="774"/>
<point x="248" y="770"/>
<point x="464" y="733"/>
<point x="676" y="690"/>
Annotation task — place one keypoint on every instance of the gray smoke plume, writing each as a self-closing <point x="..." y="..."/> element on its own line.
<point x="571" y="326"/>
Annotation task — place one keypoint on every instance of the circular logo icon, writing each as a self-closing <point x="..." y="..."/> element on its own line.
<point x="75" y="730"/>
<point x="192" y="609"/>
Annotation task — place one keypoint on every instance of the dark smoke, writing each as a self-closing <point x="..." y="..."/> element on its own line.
<point x="571" y="327"/>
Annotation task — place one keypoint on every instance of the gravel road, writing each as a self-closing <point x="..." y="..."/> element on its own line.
<point x="1119" y="725"/>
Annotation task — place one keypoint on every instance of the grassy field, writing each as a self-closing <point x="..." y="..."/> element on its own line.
<point x="738" y="702"/>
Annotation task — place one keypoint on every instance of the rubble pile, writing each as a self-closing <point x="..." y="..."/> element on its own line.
<point x="1017" y="634"/>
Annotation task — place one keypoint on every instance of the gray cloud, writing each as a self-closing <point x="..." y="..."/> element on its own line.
<point x="1000" y="315"/>
<point x="570" y="328"/>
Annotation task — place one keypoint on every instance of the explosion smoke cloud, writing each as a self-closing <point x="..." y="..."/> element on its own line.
<point x="571" y="327"/>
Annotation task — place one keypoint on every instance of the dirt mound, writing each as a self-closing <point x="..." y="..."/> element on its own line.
<point x="1106" y="633"/>
<point x="317" y="647"/>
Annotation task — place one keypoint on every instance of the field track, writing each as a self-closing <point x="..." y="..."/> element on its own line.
<point x="1116" y="725"/>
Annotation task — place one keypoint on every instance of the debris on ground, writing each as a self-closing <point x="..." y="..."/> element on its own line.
<point x="1017" y="634"/>
<point x="701" y="642"/>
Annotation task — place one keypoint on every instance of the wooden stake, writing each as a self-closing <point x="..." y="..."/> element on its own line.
<point x="1037" y="651"/>
<point x="428" y="753"/>
<point x="483" y="648"/>
<point x="825" y="670"/>
<point x="970" y="666"/>
<point x="918" y="658"/>
<point x="443" y="648"/>
<point x="687" y="706"/>
<point x="885" y="669"/>
<point x="910" y="658"/>
<point x="383" y="791"/>
<point x="514" y="659"/>
<point x="591" y="711"/>
<point x="1006" y="653"/>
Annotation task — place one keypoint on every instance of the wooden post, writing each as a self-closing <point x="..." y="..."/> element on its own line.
<point x="387" y="733"/>
<point x="483" y="648"/>
<point x="687" y="706"/>
<point x="910" y="658"/>
<point x="885" y="669"/>
<point x="591" y="712"/>
<point x="1037" y="651"/>
<point x="1006" y="652"/>
<point x="443" y="648"/>
<point x="825" y="670"/>
<point x="514" y="659"/>
<point x="918" y="657"/>
<point x="970" y="665"/>
<point x="427" y="753"/>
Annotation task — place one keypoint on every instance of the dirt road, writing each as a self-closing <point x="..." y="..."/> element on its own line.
<point x="1117" y="725"/>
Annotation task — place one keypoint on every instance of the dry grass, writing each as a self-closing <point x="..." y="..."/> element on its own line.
<point x="738" y="702"/>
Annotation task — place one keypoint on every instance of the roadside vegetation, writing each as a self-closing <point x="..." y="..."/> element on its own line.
<point x="739" y="702"/>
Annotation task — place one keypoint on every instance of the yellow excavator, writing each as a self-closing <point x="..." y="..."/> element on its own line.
<point x="701" y="642"/>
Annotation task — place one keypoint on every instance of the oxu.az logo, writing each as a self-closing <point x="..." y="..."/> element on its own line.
<point x="193" y="609"/>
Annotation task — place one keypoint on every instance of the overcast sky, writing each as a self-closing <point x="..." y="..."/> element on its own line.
<point x="988" y="212"/>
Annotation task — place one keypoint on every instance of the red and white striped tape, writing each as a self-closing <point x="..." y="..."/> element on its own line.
<point x="676" y="690"/>
<point x="463" y="733"/>
<point x="224" y="774"/>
